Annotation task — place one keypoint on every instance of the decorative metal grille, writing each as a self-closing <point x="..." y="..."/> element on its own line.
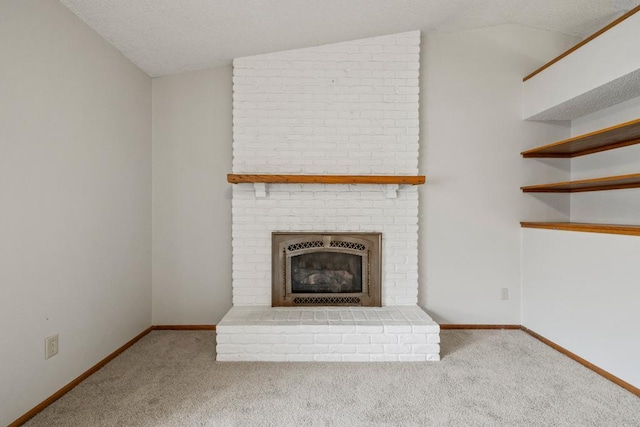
<point x="348" y="245"/>
<point x="288" y="250"/>
<point x="326" y="300"/>
<point x="304" y="245"/>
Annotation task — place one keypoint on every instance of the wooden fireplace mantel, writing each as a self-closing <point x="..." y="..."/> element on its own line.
<point x="260" y="181"/>
<point x="325" y="179"/>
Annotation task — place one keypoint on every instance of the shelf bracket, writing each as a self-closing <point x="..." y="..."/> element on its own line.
<point x="261" y="190"/>
<point x="392" y="191"/>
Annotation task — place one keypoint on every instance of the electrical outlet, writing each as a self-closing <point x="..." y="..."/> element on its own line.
<point x="51" y="346"/>
<point x="505" y="294"/>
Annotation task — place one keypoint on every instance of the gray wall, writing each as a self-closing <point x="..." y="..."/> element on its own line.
<point x="191" y="197"/>
<point x="472" y="134"/>
<point x="75" y="200"/>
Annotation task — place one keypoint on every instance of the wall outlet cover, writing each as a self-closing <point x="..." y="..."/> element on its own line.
<point x="51" y="346"/>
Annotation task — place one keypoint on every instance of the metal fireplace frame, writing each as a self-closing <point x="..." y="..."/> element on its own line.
<point x="285" y="245"/>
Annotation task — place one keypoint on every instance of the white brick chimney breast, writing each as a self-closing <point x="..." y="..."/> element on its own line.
<point x="342" y="109"/>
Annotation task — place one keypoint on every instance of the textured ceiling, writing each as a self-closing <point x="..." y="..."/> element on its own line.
<point x="169" y="36"/>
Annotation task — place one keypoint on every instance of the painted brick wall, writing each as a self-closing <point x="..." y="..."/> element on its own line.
<point x="346" y="108"/>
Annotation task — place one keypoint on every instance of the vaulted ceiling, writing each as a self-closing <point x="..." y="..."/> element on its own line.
<point x="169" y="36"/>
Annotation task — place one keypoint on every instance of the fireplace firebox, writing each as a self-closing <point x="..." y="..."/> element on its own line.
<point x="322" y="269"/>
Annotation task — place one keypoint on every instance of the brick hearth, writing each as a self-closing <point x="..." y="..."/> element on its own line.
<point x="329" y="334"/>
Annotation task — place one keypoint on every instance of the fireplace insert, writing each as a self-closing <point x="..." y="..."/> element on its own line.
<point x="327" y="268"/>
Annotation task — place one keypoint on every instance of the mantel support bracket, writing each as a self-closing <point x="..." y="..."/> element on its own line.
<point x="261" y="190"/>
<point x="391" y="191"/>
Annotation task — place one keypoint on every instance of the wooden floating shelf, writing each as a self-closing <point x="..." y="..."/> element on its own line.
<point x="630" y="230"/>
<point x="325" y="179"/>
<point x="596" y="184"/>
<point x="605" y="139"/>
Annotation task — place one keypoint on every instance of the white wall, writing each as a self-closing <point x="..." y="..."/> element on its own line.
<point x="471" y="138"/>
<point x="580" y="289"/>
<point x="619" y="206"/>
<point x="599" y="74"/>
<point x="75" y="205"/>
<point x="581" y="292"/>
<point x="191" y="198"/>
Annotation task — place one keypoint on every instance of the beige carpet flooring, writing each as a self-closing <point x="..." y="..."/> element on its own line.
<point x="486" y="378"/>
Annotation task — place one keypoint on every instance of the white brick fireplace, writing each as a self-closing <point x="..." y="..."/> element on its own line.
<point x="343" y="109"/>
